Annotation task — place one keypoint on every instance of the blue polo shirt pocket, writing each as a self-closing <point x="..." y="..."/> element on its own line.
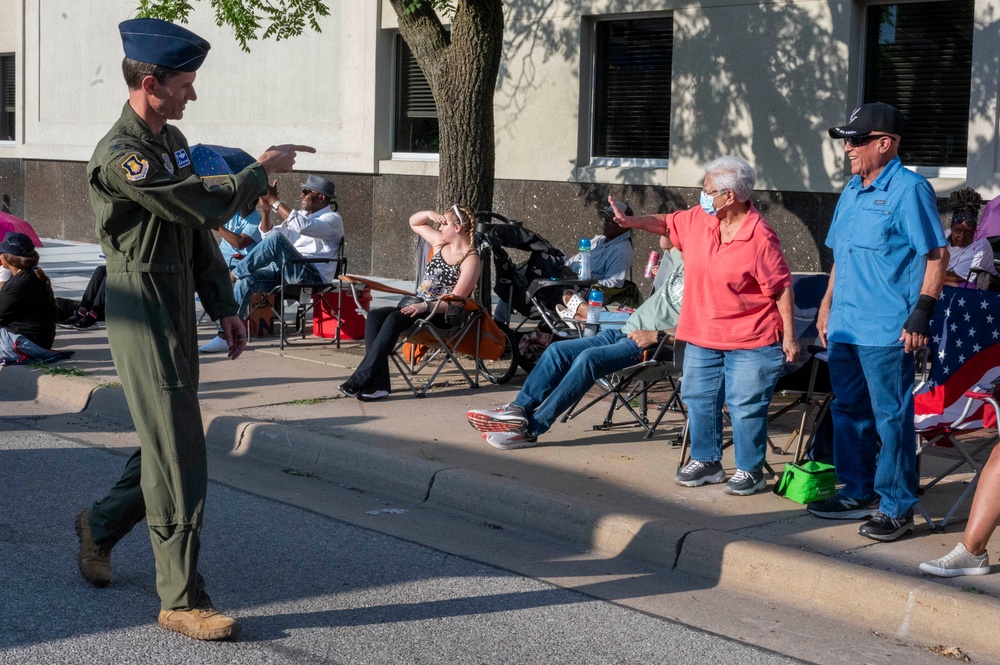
<point x="872" y="228"/>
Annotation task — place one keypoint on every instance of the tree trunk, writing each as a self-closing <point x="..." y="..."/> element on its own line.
<point x="462" y="73"/>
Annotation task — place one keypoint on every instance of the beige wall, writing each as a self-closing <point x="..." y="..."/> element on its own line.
<point x="317" y="90"/>
<point x="761" y="80"/>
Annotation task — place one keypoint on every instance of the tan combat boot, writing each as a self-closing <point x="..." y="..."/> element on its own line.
<point x="200" y="624"/>
<point x="94" y="561"/>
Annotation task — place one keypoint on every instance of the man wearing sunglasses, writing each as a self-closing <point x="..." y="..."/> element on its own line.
<point x="890" y="257"/>
<point x="314" y="231"/>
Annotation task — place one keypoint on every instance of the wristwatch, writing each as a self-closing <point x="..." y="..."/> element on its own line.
<point x="276" y="205"/>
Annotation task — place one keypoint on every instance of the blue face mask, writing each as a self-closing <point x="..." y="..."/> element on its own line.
<point x="708" y="204"/>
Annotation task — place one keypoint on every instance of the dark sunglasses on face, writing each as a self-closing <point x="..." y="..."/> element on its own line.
<point x="858" y="141"/>
<point x="306" y="192"/>
<point x="963" y="218"/>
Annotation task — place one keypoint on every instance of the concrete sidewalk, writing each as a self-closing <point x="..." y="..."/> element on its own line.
<point x="611" y="491"/>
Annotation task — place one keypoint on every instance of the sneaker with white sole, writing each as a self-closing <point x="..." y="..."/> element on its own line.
<point x="957" y="563"/>
<point x="886" y="529"/>
<point x="510" y="440"/>
<point x="373" y="395"/>
<point x="839" y="507"/>
<point x="745" y="483"/>
<point x="504" y="418"/>
<point x="215" y="345"/>
<point x="697" y="473"/>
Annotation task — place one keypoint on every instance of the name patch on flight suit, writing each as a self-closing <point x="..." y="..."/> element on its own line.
<point x="182" y="158"/>
<point x="167" y="163"/>
<point x="135" y="168"/>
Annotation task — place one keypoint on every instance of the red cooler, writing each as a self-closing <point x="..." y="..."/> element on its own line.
<point x="325" y="314"/>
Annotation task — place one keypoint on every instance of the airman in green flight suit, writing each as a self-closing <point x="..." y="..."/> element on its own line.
<point x="154" y="219"/>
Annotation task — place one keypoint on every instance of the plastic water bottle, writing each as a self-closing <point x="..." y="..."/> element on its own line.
<point x="584" y="272"/>
<point x="595" y="303"/>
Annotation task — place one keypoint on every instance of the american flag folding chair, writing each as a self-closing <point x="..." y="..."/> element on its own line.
<point x="960" y="395"/>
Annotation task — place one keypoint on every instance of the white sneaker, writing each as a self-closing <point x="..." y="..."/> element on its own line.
<point x="374" y="395"/>
<point x="215" y="345"/>
<point x="957" y="563"/>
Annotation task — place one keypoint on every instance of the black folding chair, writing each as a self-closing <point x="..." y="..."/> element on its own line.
<point x="302" y="296"/>
<point x="634" y="383"/>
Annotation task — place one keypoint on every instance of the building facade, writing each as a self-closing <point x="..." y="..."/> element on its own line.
<point x="622" y="97"/>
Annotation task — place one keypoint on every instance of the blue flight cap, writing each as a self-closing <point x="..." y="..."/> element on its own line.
<point x="162" y="43"/>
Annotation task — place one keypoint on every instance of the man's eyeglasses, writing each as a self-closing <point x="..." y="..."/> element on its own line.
<point x="715" y="193"/>
<point x="858" y="141"/>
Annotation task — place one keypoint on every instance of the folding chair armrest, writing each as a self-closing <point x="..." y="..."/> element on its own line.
<point x="373" y="285"/>
<point x="537" y="285"/>
<point x="468" y="304"/>
<point x="983" y="391"/>
<point x="665" y="344"/>
<point x="310" y="260"/>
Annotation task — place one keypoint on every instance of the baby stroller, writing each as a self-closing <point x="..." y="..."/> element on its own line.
<point x="531" y="288"/>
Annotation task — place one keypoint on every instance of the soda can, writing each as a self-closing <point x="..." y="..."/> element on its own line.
<point x="654" y="260"/>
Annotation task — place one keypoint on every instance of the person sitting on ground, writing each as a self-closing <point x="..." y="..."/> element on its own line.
<point x="454" y="269"/>
<point x="315" y="231"/>
<point x="90" y="310"/>
<point x="970" y="556"/>
<point x="967" y="258"/>
<point x="27" y="305"/>
<point x="568" y="369"/>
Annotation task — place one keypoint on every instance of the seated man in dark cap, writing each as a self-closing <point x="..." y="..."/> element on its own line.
<point x="315" y="231"/>
<point x="155" y="218"/>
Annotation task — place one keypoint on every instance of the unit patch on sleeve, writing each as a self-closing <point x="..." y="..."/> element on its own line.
<point x="135" y="168"/>
<point x="182" y="158"/>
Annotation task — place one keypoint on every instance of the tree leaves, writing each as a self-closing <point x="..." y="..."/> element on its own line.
<point x="250" y="19"/>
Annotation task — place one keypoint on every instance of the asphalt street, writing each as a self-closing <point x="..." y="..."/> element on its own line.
<point x="307" y="588"/>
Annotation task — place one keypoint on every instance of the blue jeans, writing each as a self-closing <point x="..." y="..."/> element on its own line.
<point x="260" y="270"/>
<point x="874" y="390"/>
<point x="567" y="370"/>
<point x="743" y="379"/>
<point x="13" y="345"/>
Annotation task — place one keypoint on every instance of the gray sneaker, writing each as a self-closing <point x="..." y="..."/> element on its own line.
<point x="957" y="563"/>
<point x="698" y="473"/>
<point x="745" y="483"/>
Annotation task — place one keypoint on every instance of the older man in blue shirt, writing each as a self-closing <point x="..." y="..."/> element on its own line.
<point x="890" y="260"/>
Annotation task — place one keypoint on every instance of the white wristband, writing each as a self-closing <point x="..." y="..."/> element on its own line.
<point x="276" y="205"/>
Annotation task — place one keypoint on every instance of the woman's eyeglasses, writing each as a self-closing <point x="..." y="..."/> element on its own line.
<point x="964" y="219"/>
<point x="858" y="141"/>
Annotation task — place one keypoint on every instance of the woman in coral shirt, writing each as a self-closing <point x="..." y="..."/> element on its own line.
<point x="736" y="318"/>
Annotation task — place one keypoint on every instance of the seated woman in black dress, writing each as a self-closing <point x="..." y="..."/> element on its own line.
<point x="453" y="269"/>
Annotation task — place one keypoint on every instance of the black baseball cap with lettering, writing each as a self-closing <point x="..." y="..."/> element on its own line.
<point x="867" y="118"/>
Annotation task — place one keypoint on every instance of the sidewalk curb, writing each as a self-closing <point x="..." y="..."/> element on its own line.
<point x="652" y="539"/>
<point x="372" y="469"/>
<point x="914" y="610"/>
<point x="20" y="382"/>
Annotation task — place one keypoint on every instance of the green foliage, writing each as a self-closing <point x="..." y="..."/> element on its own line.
<point x="249" y="19"/>
<point x="57" y="370"/>
<point x="446" y="7"/>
